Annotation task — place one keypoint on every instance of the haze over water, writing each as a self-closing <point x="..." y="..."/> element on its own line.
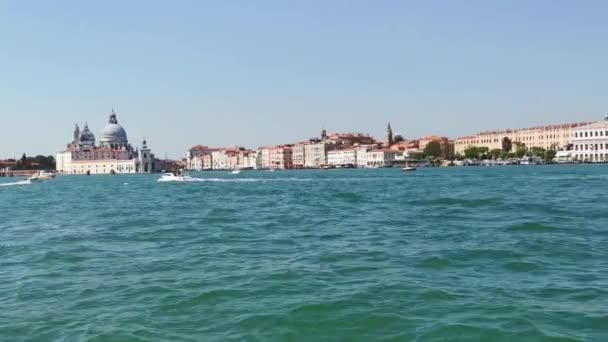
<point x="490" y="254"/>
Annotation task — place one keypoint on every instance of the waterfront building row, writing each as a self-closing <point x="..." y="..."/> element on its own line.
<point x="282" y="157"/>
<point x="336" y="149"/>
<point x="583" y="141"/>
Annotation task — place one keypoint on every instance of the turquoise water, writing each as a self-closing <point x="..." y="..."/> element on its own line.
<point x="490" y="254"/>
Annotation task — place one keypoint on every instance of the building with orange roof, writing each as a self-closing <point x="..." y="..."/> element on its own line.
<point x="281" y="157"/>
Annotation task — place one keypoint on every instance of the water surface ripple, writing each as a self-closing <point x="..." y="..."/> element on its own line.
<point x="489" y="254"/>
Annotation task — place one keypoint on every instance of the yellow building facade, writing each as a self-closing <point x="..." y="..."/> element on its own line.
<point x="553" y="137"/>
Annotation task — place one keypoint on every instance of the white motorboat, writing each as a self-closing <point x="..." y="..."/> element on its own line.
<point x="172" y="177"/>
<point x="34" y="178"/>
<point x="45" y="175"/>
<point x="40" y="176"/>
<point x="235" y="172"/>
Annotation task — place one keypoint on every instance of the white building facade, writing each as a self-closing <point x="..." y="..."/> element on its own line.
<point x="590" y="142"/>
<point x="380" y="157"/>
<point x="248" y="160"/>
<point x="342" y="157"/>
<point x="298" y="155"/>
<point x="264" y="158"/>
<point x="315" y="155"/>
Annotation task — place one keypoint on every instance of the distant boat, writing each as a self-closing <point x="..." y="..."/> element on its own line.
<point x="271" y="170"/>
<point x="172" y="177"/>
<point x="235" y="172"/>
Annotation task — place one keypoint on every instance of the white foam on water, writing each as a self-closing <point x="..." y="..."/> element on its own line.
<point x="238" y="180"/>
<point x="23" y="182"/>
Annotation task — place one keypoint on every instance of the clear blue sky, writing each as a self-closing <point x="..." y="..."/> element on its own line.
<point x="262" y="72"/>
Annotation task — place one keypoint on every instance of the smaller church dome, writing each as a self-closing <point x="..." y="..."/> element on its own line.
<point x="87" y="137"/>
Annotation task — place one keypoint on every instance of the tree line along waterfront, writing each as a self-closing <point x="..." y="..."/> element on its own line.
<point x="434" y="155"/>
<point x="21" y="166"/>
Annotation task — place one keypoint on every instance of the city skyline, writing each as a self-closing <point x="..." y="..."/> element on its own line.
<point x="256" y="74"/>
<point x="378" y="137"/>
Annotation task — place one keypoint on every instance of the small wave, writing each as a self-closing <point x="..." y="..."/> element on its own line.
<point x="23" y="182"/>
<point x="463" y="332"/>
<point x="205" y="298"/>
<point x="466" y="202"/>
<point x="435" y="263"/>
<point x="521" y="266"/>
<point x="469" y="255"/>
<point x="350" y="197"/>
<point x="438" y="295"/>
<point x="217" y="215"/>
<point x="530" y="227"/>
<point x="62" y="257"/>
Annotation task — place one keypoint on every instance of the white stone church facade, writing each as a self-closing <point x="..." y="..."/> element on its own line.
<point x="113" y="154"/>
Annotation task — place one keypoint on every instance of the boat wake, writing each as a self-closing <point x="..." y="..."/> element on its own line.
<point x="237" y="180"/>
<point x="23" y="182"/>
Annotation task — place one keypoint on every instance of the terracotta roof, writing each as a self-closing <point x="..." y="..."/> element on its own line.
<point x="199" y="148"/>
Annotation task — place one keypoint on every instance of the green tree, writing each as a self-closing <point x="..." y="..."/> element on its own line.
<point x="398" y="138"/>
<point x="521" y="151"/>
<point x="550" y="155"/>
<point x="484" y="152"/>
<point x="471" y="152"/>
<point x="496" y="153"/>
<point x="22" y="163"/>
<point x="416" y="155"/>
<point x="537" y="151"/>
<point x="474" y="152"/>
<point x="507" y="144"/>
<point x="433" y="149"/>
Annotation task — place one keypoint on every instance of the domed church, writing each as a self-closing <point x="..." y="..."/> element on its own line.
<point x="113" y="154"/>
<point x="113" y="135"/>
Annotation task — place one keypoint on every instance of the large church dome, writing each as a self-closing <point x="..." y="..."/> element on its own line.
<point x="113" y="135"/>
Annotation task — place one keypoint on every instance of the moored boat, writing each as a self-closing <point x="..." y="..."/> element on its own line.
<point x="408" y="168"/>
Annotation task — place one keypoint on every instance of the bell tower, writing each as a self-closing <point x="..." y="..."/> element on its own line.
<point x="76" y="135"/>
<point x="389" y="135"/>
<point x="145" y="158"/>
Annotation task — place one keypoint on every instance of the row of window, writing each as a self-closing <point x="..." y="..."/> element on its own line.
<point x="553" y="136"/>
<point x="592" y="157"/>
<point x="526" y="138"/>
<point x="583" y="147"/>
<point x="591" y="134"/>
